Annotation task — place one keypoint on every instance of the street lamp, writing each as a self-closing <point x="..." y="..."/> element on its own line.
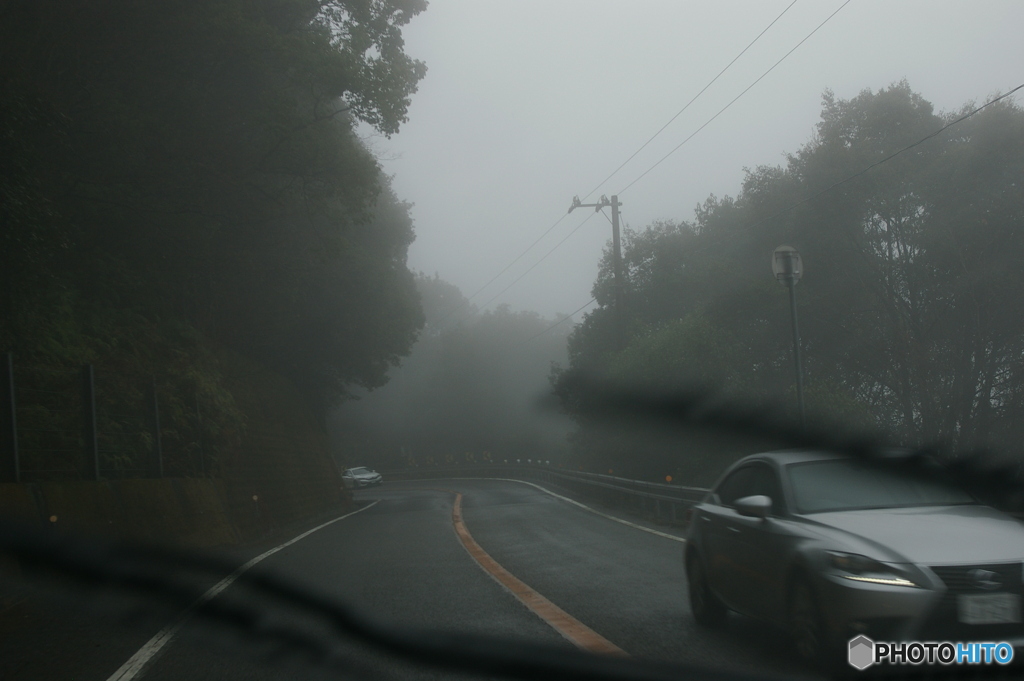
<point x="788" y="268"/>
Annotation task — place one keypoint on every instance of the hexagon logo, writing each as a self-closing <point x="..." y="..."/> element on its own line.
<point x="861" y="652"/>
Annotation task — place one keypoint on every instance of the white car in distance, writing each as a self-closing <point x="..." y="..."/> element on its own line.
<point x="359" y="477"/>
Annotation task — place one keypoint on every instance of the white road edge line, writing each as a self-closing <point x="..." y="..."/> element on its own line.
<point x="137" y="662"/>
<point x="584" y="506"/>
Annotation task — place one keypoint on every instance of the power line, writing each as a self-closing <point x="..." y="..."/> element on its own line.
<point x="532" y="267"/>
<point x="503" y="271"/>
<point x="820" y="193"/>
<point x="676" y="148"/>
<point x="887" y="158"/>
<point x="694" y="99"/>
<point x="568" y="316"/>
<point x="621" y="166"/>
<point x="735" y="99"/>
<point x="783" y="211"/>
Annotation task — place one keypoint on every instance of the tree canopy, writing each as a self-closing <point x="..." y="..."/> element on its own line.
<point x="910" y="304"/>
<point x="198" y="161"/>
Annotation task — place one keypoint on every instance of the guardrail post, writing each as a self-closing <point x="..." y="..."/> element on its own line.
<point x="156" y="460"/>
<point x="91" y="467"/>
<point x="10" y="466"/>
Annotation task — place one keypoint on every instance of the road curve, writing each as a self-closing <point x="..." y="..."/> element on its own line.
<point x="402" y="561"/>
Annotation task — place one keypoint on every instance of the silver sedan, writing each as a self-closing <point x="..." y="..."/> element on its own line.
<point x="831" y="547"/>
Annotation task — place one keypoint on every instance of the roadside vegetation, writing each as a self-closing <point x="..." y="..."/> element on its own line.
<point x="911" y="306"/>
<point x="183" y="192"/>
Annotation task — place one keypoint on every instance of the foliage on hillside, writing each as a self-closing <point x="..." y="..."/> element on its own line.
<point x="182" y="181"/>
<point x="911" y="302"/>
<point x="468" y="392"/>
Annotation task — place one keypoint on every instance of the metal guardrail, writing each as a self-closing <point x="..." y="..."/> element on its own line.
<point x="659" y="501"/>
<point x="655" y="500"/>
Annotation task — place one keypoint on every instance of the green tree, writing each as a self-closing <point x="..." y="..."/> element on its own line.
<point x="911" y="299"/>
<point x="198" y="161"/>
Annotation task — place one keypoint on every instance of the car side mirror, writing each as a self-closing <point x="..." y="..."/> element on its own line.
<point x="757" y="506"/>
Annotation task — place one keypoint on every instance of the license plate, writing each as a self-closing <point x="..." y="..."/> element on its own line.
<point x="988" y="608"/>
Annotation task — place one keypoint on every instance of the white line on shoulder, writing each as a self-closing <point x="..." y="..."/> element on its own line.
<point x="666" y="535"/>
<point x="137" y="662"/>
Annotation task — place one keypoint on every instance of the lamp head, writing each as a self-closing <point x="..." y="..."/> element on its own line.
<point x="787" y="265"/>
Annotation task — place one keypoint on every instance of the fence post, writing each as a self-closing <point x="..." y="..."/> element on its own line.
<point x="199" y="439"/>
<point x="156" y="461"/>
<point x="91" y="468"/>
<point x="10" y="467"/>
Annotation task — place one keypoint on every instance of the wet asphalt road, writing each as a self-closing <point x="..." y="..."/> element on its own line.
<point x="402" y="562"/>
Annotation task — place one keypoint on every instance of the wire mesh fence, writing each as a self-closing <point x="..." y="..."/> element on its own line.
<point x="47" y="430"/>
<point x="71" y="423"/>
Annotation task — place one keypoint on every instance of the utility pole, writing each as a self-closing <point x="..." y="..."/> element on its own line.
<point x="620" y="329"/>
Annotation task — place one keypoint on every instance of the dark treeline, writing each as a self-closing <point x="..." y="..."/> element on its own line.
<point x="468" y="393"/>
<point x="912" y="302"/>
<point x="182" y="183"/>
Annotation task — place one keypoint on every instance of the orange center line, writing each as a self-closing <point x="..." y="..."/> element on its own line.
<point x="565" y="624"/>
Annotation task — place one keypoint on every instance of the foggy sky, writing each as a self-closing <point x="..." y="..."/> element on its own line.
<point x="528" y="102"/>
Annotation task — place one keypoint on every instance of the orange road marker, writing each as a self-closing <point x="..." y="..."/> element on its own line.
<point x="565" y="624"/>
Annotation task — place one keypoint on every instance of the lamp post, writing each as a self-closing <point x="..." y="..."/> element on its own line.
<point x="788" y="268"/>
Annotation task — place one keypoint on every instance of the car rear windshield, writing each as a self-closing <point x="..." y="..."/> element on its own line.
<point x="839" y="485"/>
<point x="359" y="470"/>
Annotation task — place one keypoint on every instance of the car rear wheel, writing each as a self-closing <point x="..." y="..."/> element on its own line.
<point x="706" y="608"/>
